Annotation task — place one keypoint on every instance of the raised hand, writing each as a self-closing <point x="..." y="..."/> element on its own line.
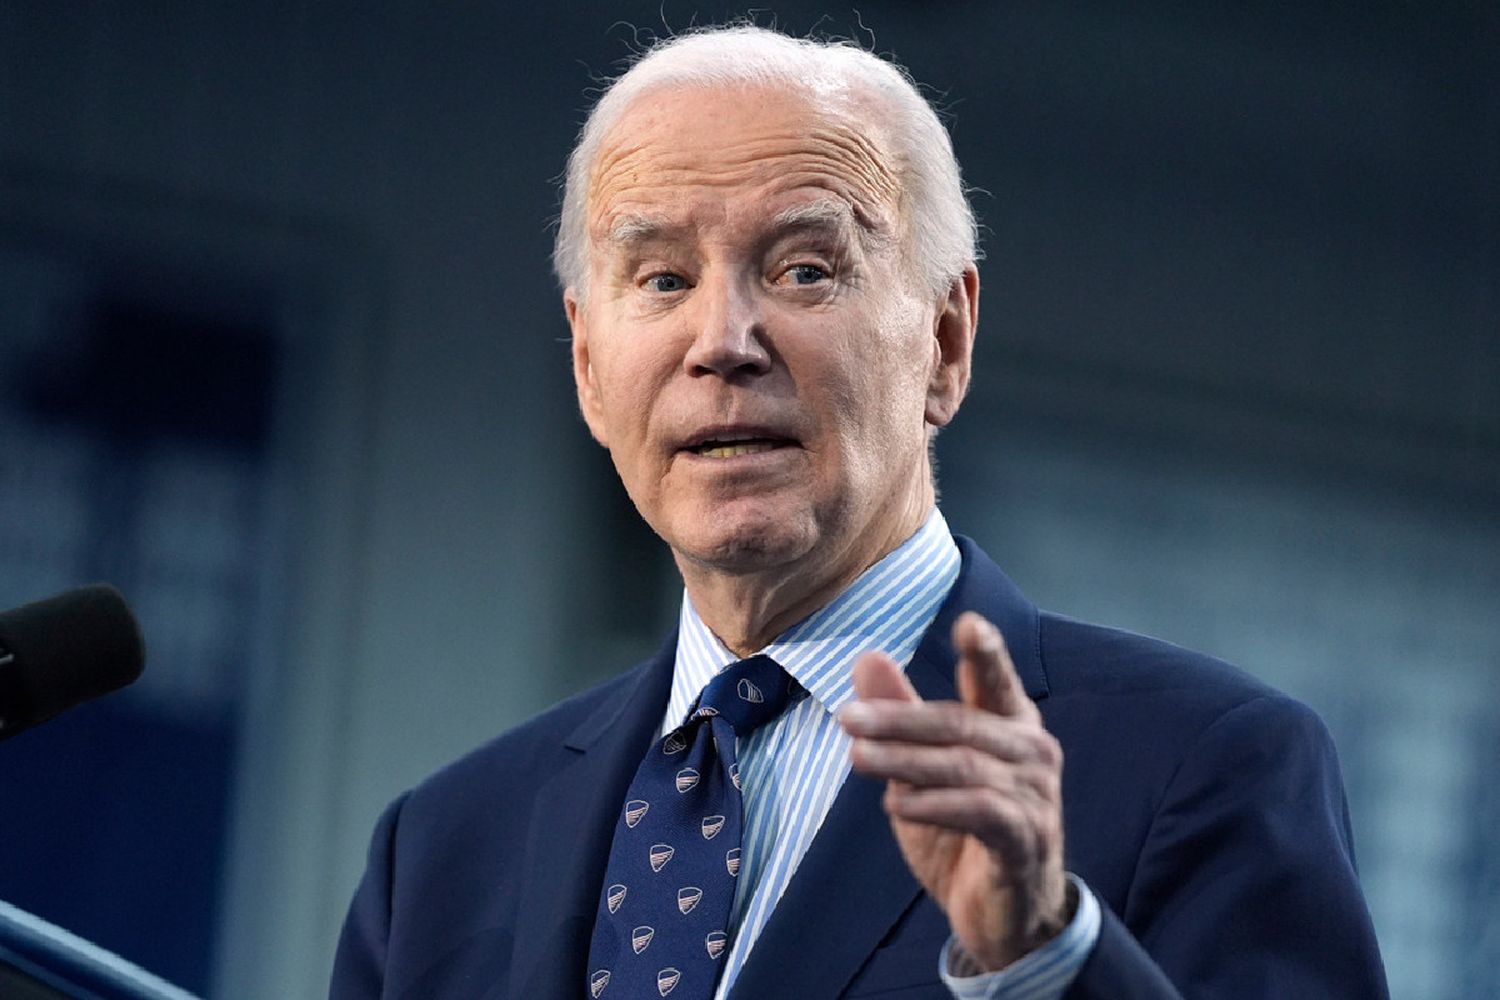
<point x="973" y="793"/>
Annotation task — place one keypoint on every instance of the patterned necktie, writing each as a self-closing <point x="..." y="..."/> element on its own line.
<point x="663" y="919"/>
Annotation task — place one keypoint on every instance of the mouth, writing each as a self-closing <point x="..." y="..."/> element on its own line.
<point x="721" y="444"/>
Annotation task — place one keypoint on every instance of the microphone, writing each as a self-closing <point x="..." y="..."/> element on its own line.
<point x="65" y="650"/>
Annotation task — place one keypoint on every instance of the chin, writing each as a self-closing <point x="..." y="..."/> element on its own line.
<point x="746" y="544"/>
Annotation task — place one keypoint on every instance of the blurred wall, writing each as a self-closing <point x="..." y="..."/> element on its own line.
<point x="1236" y="381"/>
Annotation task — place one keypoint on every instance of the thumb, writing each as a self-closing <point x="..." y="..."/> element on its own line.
<point x="877" y="676"/>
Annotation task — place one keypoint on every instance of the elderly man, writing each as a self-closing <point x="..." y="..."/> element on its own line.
<point x="834" y="780"/>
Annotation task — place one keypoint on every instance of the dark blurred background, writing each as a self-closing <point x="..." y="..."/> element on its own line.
<point x="281" y="355"/>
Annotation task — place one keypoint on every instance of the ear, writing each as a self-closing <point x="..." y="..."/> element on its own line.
<point x="953" y="347"/>
<point x="589" y="403"/>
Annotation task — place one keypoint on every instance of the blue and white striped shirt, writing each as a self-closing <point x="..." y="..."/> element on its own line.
<point x="793" y="768"/>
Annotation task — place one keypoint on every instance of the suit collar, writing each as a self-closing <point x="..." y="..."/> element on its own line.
<point x="982" y="587"/>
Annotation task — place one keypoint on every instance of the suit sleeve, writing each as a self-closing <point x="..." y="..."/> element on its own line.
<point x="359" y="963"/>
<point x="1246" y="886"/>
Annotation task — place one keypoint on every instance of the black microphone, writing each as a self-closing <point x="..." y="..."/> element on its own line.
<point x="65" y="650"/>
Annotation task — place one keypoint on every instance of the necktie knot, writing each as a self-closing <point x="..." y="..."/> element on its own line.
<point x="747" y="694"/>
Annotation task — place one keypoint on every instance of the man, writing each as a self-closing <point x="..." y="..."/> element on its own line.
<point x="768" y="269"/>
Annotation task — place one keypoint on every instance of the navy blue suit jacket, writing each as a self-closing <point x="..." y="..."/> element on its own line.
<point x="1204" y="809"/>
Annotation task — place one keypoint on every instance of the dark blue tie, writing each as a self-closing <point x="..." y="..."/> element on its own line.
<point x="663" y="922"/>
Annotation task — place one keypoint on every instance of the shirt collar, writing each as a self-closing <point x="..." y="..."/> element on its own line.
<point x="889" y="607"/>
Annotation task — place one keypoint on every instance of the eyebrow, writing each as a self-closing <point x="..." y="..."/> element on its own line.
<point x="834" y="214"/>
<point x="823" y="212"/>
<point x="633" y="230"/>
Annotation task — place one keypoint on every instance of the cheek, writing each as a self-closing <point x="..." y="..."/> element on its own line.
<point x="628" y="384"/>
<point x="866" y="426"/>
<point x="890" y="397"/>
<point x="889" y="382"/>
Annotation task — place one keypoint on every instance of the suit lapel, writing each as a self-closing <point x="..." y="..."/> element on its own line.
<point x="572" y="828"/>
<point x="842" y="902"/>
<point x="982" y="587"/>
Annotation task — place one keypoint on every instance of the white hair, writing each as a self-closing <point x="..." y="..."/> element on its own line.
<point x="941" y="235"/>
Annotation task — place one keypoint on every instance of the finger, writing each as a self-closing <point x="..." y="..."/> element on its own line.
<point x="949" y="723"/>
<point x="921" y="766"/>
<point x="945" y="723"/>
<point x="1021" y="831"/>
<point x="877" y="676"/>
<point x="986" y="677"/>
<point x="877" y="681"/>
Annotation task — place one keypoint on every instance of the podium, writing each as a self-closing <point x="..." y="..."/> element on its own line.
<point x="39" y="961"/>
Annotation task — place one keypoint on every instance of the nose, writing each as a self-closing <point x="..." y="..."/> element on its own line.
<point x="731" y="337"/>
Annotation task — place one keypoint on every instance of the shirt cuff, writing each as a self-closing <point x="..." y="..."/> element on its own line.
<point x="1046" y="973"/>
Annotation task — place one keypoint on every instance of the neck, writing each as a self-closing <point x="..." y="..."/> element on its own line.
<point x="746" y="610"/>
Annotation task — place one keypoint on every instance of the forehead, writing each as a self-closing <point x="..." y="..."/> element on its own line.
<point x="697" y="157"/>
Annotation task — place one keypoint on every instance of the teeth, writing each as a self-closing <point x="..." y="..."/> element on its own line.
<point x="734" y="450"/>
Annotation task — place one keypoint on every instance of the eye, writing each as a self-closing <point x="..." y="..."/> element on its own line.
<point x="804" y="274"/>
<point x="665" y="282"/>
